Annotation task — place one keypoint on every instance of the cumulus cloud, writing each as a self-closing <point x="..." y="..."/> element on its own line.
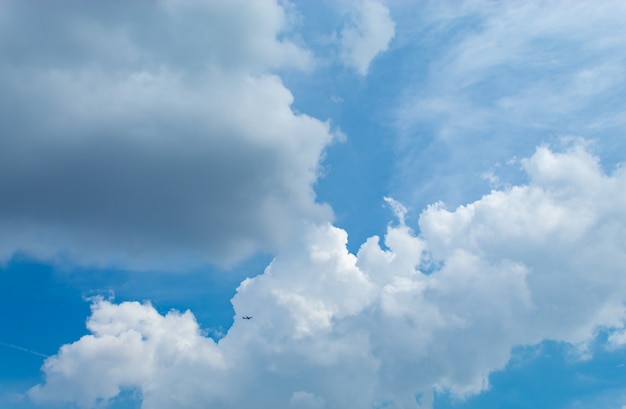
<point x="367" y="35"/>
<point x="132" y="345"/>
<point x="439" y="309"/>
<point x="152" y="134"/>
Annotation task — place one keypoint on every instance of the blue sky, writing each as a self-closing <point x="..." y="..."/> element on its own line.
<point x="421" y="204"/>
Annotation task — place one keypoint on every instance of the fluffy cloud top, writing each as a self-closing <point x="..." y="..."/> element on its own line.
<point x="367" y="36"/>
<point x="152" y="134"/>
<point x="438" y="310"/>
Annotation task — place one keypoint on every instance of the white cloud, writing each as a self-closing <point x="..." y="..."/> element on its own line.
<point x="152" y="135"/>
<point x="368" y="34"/>
<point x="617" y="339"/>
<point x="132" y="345"/>
<point x="306" y="400"/>
<point x="331" y="329"/>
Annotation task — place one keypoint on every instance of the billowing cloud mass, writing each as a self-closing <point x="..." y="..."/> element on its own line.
<point x="439" y="309"/>
<point x="367" y="35"/>
<point x="152" y="134"/>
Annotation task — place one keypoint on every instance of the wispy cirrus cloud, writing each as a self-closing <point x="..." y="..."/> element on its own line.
<point x="503" y="78"/>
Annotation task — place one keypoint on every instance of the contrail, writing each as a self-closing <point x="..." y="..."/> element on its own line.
<point x="19" y="348"/>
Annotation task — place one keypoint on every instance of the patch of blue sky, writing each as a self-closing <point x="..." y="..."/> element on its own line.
<point x="41" y="312"/>
<point x="552" y="375"/>
<point x="356" y="171"/>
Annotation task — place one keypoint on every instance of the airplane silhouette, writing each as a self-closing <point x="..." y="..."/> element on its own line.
<point x="246" y="317"/>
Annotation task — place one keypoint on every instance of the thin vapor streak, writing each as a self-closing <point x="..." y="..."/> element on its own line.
<point x="19" y="348"/>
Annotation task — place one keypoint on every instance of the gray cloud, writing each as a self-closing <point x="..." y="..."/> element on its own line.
<point x="152" y="134"/>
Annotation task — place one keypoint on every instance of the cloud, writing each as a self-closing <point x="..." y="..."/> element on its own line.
<point x="500" y="78"/>
<point x="129" y="345"/>
<point x="368" y="35"/>
<point x="152" y="134"/>
<point x="617" y="339"/>
<point x="439" y="310"/>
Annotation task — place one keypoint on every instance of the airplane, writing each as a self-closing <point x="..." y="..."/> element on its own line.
<point x="246" y="317"/>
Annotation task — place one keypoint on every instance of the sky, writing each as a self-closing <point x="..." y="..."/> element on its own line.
<point x="421" y="204"/>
